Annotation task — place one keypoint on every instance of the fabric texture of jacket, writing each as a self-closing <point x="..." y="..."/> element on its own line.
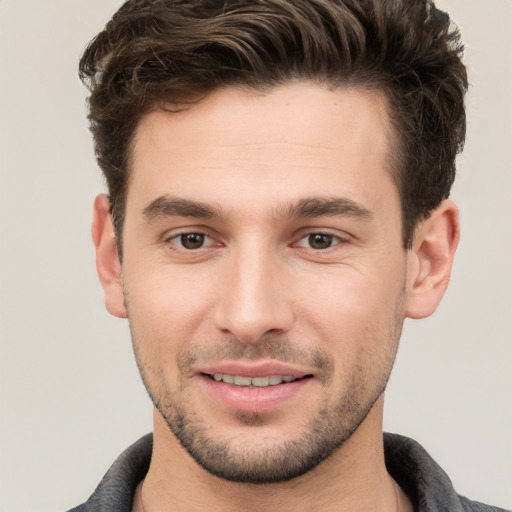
<point x="426" y="484"/>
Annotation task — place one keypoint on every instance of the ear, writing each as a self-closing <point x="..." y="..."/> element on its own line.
<point x="430" y="260"/>
<point x="107" y="257"/>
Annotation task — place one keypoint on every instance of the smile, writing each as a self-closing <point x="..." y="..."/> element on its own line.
<point x="256" y="390"/>
<point x="258" y="382"/>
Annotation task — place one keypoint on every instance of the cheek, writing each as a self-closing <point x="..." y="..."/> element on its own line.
<point x="360" y="328"/>
<point x="165" y="306"/>
<point x="353" y="310"/>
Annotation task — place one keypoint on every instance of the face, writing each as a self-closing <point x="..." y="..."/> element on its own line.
<point x="263" y="274"/>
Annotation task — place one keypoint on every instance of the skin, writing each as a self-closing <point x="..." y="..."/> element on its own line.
<point x="238" y="168"/>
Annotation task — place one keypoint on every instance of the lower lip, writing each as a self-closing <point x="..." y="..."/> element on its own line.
<point x="255" y="399"/>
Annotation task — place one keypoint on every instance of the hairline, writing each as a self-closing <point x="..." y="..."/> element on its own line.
<point x="392" y="164"/>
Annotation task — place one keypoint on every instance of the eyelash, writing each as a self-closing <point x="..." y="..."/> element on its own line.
<point x="178" y="239"/>
<point x="334" y="240"/>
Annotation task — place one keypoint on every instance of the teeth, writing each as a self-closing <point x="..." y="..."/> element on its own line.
<point x="228" y="379"/>
<point x="258" y="382"/>
<point x="243" y="381"/>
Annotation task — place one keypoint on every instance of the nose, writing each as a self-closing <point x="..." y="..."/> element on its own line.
<point x="254" y="299"/>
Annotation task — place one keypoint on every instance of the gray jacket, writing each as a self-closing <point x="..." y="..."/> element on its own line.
<point x="426" y="484"/>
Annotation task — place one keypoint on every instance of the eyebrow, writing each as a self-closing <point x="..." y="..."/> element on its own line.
<point x="324" y="207"/>
<point x="166" y="206"/>
<point x="312" y="207"/>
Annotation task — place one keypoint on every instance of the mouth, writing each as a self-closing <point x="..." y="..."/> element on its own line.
<point x="255" y="387"/>
<point x="254" y="382"/>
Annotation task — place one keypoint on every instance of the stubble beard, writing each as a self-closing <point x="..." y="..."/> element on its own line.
<point x="296" y="456"/>
<point x="326" y="432"/>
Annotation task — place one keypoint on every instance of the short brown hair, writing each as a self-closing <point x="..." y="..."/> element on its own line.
<point x="157" y="52"/>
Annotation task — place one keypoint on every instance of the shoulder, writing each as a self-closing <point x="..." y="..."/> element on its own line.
<point x="475" y="506"/>
<point x="117" y="488"/>
<point x="423" y="480"/>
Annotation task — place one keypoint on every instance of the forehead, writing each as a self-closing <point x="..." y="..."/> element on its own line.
<point x="294" y="140"/>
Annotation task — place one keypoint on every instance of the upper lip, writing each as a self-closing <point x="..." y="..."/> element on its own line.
<point x="257" y="369"/>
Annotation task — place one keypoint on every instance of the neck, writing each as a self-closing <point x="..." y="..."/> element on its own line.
<point x="353" y="479"/>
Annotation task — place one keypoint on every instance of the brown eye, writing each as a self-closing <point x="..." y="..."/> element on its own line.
<point x="192" y="240"/>
<point x="320" y="241"/>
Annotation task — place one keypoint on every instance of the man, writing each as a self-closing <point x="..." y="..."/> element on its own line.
<point x="278" y="175"/>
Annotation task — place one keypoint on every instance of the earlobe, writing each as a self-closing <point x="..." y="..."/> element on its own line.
<point x="430" y="260"/>
<point x="107" y="257"/>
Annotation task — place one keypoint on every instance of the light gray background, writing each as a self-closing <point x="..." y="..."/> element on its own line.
<point x="70" y="395"/>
